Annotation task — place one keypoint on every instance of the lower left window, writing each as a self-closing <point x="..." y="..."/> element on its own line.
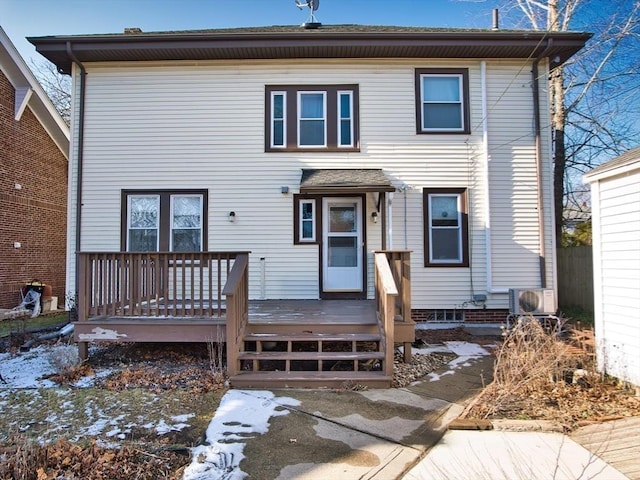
<point x="164" y="221"/>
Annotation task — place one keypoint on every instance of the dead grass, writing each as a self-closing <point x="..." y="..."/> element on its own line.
<point x="539" y="375"/>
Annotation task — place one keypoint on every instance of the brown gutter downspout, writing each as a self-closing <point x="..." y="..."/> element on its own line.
<point x="538" y="142"/>
<point x="83" y="75"/>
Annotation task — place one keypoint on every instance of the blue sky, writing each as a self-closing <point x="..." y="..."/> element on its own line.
<point x="22" y="18"/>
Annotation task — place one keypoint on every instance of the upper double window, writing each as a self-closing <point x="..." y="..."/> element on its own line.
<point x="442" y="100"/>
<point x="311" y="117"/>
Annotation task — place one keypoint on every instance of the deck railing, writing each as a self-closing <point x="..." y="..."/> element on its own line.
<point x="236" y="292"/>
<point x="153" y="284"/>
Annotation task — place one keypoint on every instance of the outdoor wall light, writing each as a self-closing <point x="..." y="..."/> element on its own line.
<point x="232" y="217"/>
<point x="374" y="217"/>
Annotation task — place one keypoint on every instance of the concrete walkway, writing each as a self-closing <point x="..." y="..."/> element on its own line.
<point x="402" y="434"/>
<point x="375" y="434"/>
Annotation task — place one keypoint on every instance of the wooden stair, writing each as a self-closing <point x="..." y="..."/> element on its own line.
<point x="345" y="356"/>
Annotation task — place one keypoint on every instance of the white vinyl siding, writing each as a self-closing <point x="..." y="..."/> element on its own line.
<point x="180" y="125"/>
<point x="616" y="247"/>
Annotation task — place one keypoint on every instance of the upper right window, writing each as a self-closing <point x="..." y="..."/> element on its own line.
<point x="442" y="100"/>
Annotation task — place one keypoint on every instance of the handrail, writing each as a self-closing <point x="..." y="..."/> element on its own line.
<point x="393" y="267"/>
<point x="386" y="293"/>
<point x="399" y="262"/>
<point x="236" y="291"/>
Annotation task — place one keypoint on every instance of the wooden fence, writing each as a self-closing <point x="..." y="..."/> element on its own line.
<point x="575" y="277"/>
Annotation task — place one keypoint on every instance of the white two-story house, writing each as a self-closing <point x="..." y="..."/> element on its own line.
<point x="307" y="150"/>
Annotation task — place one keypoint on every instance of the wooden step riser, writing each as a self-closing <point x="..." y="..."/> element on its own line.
<point x="337" y="380"/>
<point x="306" y="329"/>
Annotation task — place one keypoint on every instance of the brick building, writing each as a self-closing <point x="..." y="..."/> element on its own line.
<point x="34" y="145"/>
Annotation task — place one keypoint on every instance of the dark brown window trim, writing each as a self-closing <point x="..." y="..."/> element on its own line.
<point x="465" y="225"/>
<point x="292" y="117"/>
<point x="165" y="212"/>
<point x="465" y="99"/>
<point x="296" y="218"/>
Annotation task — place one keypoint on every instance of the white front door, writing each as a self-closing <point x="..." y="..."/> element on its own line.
<point x="342" y="245"/>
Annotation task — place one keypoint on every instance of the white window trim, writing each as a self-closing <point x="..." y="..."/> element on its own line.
<point x="460" y="102"/>
<point x="324" y="116"/>
<point x="172" y="197"/>
<point x="460" y="258"/>
<point x="301" y="220"/>
<point x="284" y="119"/>
<point x="129" y="227"/>
<point x="349" y="93"/>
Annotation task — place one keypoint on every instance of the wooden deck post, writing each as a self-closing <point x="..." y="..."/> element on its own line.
<point x="83" y="350"/>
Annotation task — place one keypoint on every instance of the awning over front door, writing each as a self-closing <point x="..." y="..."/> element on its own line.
<point x="340" y="181"/>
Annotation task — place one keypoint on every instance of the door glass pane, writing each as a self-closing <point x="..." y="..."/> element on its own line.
<point x="343" y="252"/>
<point x="342" y="219"/>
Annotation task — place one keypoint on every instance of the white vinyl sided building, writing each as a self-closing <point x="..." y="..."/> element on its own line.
<point x="313" y="148"/>
<point x="615" y="205"/>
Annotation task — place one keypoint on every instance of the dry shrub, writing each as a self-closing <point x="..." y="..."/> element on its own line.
<point x="532" y="357"/>
<point x="531" y="362"/>
<point x="25" y="460"/>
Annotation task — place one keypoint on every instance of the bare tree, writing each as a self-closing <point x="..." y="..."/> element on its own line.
<point x="56" y="85"/>
<point x="594" y="104"/>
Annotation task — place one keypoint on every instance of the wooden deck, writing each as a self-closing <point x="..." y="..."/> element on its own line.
<point x="203" y="297"/>
<point x="617" y="442"/>
<point x="265" y="316"/>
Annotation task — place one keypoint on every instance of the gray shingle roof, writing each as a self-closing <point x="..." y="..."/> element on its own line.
<point x="361" y="180"/>
<point x="294" y="42"/>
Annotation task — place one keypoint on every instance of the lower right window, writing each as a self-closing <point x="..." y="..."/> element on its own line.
<point x="446" y="233"/>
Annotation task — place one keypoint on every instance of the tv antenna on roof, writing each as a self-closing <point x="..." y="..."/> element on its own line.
<point x="313" y="5"/>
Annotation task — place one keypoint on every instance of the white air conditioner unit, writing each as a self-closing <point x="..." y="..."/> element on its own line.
<point x="532" y="301"/>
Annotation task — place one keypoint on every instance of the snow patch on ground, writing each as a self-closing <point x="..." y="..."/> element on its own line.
<point x="241" y="415"/>
<point x="466" y="353"/>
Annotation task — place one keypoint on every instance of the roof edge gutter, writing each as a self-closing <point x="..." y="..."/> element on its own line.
<point x="80" y="159"/>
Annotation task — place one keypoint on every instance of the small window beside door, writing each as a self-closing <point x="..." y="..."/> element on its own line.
<point x="305" y="220"/>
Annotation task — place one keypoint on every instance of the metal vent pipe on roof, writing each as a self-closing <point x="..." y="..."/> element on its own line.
<point x="496" y="19"/>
